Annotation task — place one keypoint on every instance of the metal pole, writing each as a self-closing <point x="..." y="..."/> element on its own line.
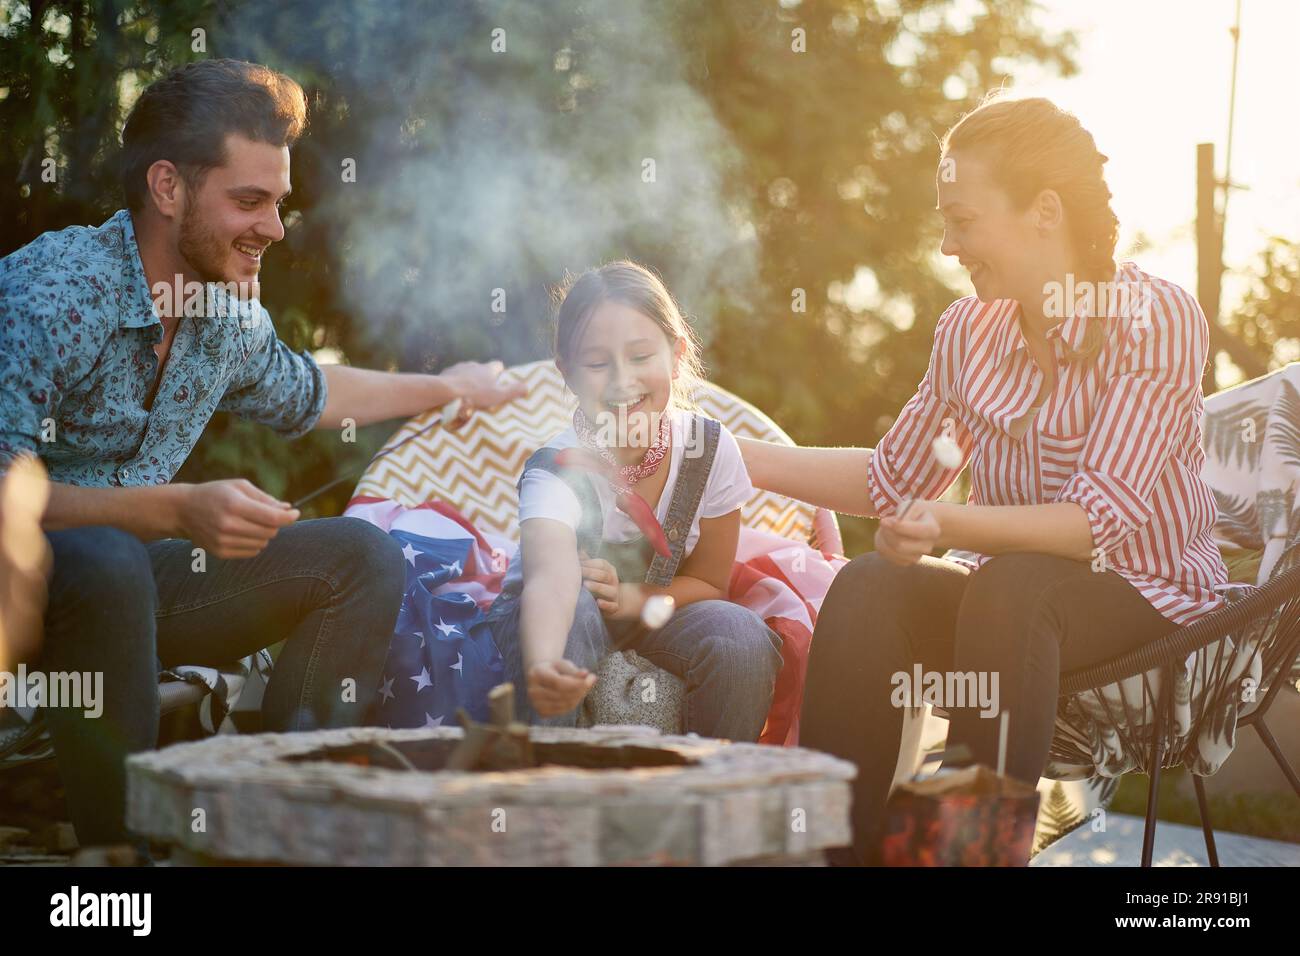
<point x="1209" y="261"/>
<point x="1232" y="112"/>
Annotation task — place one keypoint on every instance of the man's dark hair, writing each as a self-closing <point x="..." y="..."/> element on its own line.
<point x="185" y="116"/>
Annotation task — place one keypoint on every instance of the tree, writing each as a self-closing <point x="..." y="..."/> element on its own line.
<point x="1268" y="318"/>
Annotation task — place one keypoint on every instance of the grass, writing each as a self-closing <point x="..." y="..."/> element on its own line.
<point x="1274" y="816"/>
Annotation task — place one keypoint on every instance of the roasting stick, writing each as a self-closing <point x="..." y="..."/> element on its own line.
<point x="449" y="413"/>
<point x="1003" y="721"/>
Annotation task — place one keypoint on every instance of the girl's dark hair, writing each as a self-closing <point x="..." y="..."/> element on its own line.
<point x="1032" y="145"/>
<point x="185" y="116"/>
<point x="636" y="287"/>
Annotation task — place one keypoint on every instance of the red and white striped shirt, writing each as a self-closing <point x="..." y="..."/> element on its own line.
<point x="1120" y="437"/>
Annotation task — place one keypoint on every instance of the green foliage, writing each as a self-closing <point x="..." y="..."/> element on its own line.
<point x="1274" y="816"/>
<point x="1058" y="818"/>
<point x="1268" y="319"/>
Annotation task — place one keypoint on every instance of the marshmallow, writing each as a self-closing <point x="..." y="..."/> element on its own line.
<point x="946" y="452"/>
<point x="657" y="610"/>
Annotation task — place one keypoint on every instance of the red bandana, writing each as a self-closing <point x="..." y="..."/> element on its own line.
<point x="627" y="475"/>
<point x="600" y="461"/>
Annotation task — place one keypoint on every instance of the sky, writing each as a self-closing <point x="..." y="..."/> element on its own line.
<point x="1154" y="81"/>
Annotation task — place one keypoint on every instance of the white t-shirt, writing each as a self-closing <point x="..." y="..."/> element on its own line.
<point x="545" y="495"/>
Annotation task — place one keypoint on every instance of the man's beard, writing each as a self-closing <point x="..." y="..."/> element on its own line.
<point x="201" y="249"/>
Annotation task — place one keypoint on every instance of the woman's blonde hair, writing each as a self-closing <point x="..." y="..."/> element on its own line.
<point x="635" y="286"/>
<point x="1031" y="145"/>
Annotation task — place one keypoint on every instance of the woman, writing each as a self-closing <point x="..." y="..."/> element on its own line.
<point x="1072" y="389"/>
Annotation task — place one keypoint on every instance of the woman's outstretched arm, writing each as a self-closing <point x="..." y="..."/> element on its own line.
<point x="834" y="478"/>
<point x="1060" y="528"/>
<point x="873" y="481"/>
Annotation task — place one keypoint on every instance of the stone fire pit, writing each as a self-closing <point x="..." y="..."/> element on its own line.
<point x="605" y="795"/>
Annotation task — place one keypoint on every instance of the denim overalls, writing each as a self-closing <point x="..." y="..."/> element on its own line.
<point x="740" y="654"/>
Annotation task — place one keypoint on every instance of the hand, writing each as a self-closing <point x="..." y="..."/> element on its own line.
<point x="232" y="519"/>
<point x="24" y="559"/>
<point x="556" y="687"/>
<point x="906" y="541"/>
<point x="617" y="601"/>
<point x="478" y="386"/>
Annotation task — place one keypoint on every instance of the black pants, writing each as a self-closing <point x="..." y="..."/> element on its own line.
<point x="1025" y="617"/>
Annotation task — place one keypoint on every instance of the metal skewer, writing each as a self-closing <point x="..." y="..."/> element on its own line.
<point x="453" y="407"/>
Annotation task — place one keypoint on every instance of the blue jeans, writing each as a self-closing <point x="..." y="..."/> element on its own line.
<point x="725" y="654"/>
<point x="331" y="587"/>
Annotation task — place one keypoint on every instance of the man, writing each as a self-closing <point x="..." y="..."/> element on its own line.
<point x="110" y="368"/>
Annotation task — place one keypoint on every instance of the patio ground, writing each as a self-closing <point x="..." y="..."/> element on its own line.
<point x="1176" y="845"/>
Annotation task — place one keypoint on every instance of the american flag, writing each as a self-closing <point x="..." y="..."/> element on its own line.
<point x="441" y="656"/>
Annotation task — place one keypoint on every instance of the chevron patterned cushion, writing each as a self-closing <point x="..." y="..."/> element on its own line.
<point x="475" y="467"/>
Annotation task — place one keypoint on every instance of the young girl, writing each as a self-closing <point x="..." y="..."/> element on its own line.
<point x="590" y="556"/>
<point x="1072" y="387"/>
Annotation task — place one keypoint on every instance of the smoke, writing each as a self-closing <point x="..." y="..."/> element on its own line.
<point x="498" y="145"/>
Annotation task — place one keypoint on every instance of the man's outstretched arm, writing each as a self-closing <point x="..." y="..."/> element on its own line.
<point x="367" y="396"/>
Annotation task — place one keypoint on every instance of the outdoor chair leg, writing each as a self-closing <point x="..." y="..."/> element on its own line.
<point x="1153" y="793"/>
<point x="1157" y="758"/>
<point x="1149" y="831"/>
<point x="1267" y="736"/>
<point x="1206" y="827"/>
